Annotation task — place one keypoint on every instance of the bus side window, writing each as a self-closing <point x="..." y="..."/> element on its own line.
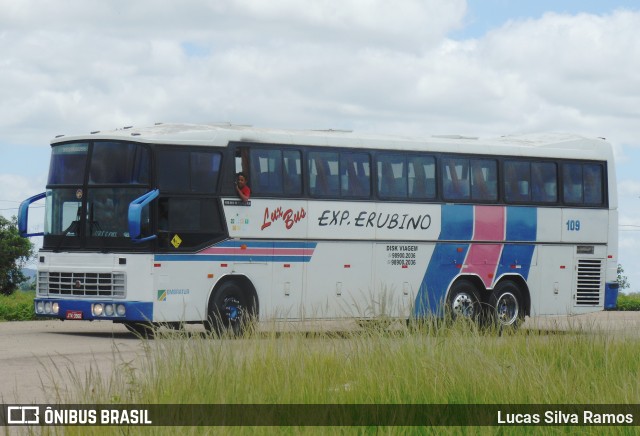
<point x="205" y="168"/>
<point x="422" y="177"/>
<point x="517" y="181"/>
<point x="266" y="171"/>
<point x="392" y="177"/>
<point x="455" y="179"/>
<point x="544" y="182"/>
<point x="292" y="168"/>
<point x="173" y="165"/>
<point x="188" y="171"/>
<point x="324" y="174"/>
<point x="484" y="184"/>
<point x="242" y="160"/>
<point x="355" y="174"/>
<point x="593" y="182"/>
<point x="572" y="183"/>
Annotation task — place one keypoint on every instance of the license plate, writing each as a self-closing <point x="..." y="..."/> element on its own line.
<point x="74" y="314"/>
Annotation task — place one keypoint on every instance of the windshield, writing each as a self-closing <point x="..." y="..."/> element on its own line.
<point x="68" y="164"/>
<point x="119" y="163"/>
<point x="106" y="212"/>
<point x="90" y="188"/>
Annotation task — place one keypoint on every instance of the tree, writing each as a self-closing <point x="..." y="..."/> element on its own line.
<point x="623" y="281"/>
<point x="14" y="252"/>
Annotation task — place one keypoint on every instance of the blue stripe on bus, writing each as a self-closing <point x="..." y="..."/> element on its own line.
<point x="445" y="263"/>
<point x="515" y="259"/>
<point x="228" y="258"/>
<point x="522" y="223"/>
<point x="443" y="268"/>
<point x="457" y="224"/>
<point x="247" y="256"/>
<point x="232" y="243"/>
<point x="135" y="310"/>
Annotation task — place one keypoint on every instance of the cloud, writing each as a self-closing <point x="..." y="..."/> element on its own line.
<point x="408" y="23"/>
<point x="366" y="64"/>
<point x="629" y="188"/>
<point x="14" y="189"/>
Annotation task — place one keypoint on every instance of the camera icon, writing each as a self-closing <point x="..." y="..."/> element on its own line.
<point x="23" y="415"/>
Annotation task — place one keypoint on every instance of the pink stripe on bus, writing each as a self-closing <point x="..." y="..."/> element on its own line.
<point x="489" y="223"/>
<point x="482" y="259"/>
<point x="258" y="251"/>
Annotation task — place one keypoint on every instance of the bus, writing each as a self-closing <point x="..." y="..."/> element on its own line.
<point x="143" y="226"/>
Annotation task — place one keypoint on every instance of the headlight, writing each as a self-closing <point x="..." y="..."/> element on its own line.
<point x="47" y="307"/>
<point x="108" y="309"/>
<point x="40" y="307"/>
<point x="97" y="309"/>
<point x="121" y="310"/>
<point x="55" y="307"/>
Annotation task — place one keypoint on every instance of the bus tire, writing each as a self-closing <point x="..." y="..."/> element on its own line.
<point x="231" y="310"/>
<point x="506" y="308"/>
<point x="142" y="329"/>
<point x="463" y="301"/>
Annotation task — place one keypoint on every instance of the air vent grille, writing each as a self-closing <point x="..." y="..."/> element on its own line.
<point x="589" y="282"/>
<point x="112" y="285"/>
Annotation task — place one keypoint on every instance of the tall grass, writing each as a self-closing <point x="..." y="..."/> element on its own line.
<point x="17" y="306"/>
<point x="433" y="364"/>
<point x="628" y="302"/>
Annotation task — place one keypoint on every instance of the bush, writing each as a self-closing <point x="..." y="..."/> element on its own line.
<point x="17" y="307"/>
<point x="629" y="302"/>
<point x="14" y="251"/>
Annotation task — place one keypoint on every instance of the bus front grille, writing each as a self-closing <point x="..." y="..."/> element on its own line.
<point x="109" y="285"/>
<point x="589" y="282"/>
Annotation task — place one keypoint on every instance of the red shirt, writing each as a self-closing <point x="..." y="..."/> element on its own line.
<point x="245" y="191"/>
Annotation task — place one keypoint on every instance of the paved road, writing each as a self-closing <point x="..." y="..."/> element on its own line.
<point x="36" y="352"/>
<point x="32" y="354"/>
<point x="618" y="323"/>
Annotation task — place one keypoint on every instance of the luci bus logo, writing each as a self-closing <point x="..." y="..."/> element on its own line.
<point x="289" y="217"/>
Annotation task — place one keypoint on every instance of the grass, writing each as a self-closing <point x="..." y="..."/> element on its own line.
<point x="629" y="302"/>
<point x="435" y="364"/>
<point x="17" y="306"/>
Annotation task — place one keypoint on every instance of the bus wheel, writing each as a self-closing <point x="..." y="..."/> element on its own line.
<point x="230" y="310"/>
<point x="145" y="330"/>
<point x="464" y="301"/>
<point x="505" y="305"/>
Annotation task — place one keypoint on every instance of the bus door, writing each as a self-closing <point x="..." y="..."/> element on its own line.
<point x="287" y="283"/>
<point x="555" y="277"/>
<point x="397" y="276"/>
<point x="340" y="283"/>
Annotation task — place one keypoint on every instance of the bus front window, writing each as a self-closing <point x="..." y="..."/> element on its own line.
<point x="68" y="164"/>
<point x="63" y="212"/>
<point x="89" y="191"/>
<point x="118" y="174"/>
<point x="107" y="210"/>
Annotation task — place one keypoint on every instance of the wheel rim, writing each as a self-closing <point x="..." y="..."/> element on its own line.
<point x="233" y="310"/>
<point x="463" y="305"/>
<point x="507" y="309"/>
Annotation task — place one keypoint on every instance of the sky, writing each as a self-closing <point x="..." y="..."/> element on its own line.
<point x="410" y="67"/>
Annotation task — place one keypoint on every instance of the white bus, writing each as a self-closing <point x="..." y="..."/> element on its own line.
<point x="144" y="226"/>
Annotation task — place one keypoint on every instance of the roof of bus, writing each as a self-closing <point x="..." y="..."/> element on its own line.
<point x="560" y="145"/>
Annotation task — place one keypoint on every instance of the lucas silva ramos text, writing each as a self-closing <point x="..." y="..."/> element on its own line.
<point x="586" y="417"/>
